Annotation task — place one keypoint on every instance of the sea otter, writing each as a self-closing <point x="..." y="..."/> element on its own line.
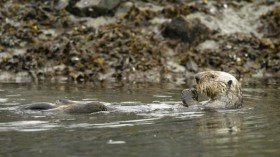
<point x="222" y="88"/>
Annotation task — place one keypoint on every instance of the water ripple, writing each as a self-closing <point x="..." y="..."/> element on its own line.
<point x="115" y="124"/>
<point x="26" y="126"/>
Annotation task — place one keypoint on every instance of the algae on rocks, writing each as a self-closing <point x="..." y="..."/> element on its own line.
<point x="137" y="41"/>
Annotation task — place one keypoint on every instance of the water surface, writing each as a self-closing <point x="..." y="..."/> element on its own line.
<point x="159" y="127"/>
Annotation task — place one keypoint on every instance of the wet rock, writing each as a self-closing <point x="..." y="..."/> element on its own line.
<point x="92" y="8"/>
<point x="61" y="4"/>
<point x="175" y="67"/>
<point x="124" y="9"/>
<point x="208" y="45"/>
<point x="191" y="65"/>
<point x="7" y="76"/>
<point x="152" y="75"/>
<point x="189" y="31"/>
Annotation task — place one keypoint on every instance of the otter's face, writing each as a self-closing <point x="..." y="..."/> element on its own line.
<point x="215" y="83"/>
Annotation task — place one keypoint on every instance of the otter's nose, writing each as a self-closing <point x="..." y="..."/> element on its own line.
<point x="197" y="78"/>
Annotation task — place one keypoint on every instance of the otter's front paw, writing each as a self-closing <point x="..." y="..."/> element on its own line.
<point x="189" y="97"/>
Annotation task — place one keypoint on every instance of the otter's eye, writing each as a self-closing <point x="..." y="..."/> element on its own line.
<point x="229" y="83"/>
<point x="212" y="76"/>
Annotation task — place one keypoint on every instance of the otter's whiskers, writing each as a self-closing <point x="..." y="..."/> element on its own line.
<point x="212" y="88"/>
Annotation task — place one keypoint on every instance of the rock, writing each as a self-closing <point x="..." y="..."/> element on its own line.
<point x="61" y="4"/>
<point x="189" y="31"/>
<point x="175" y="67"/>
<point x="92" y="8"/>
<point x="20" y="77"/>
<point x="124" y="9"/>
<point x="191" y="65"/>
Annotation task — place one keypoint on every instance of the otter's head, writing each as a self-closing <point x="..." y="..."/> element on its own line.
<point x="216" y="83"/>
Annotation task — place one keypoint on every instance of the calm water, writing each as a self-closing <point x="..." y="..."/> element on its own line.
<point x="159" y="127"/>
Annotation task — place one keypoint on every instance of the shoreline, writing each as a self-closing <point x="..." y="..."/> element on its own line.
<point x="137" y="41"/>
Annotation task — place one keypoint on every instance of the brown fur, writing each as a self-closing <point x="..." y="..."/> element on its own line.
<point x="220" y="87"/>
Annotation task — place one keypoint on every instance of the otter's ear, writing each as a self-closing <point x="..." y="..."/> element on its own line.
<point x="229" y="83"/>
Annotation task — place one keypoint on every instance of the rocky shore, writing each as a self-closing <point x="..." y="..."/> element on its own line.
<point x="138" y="40"/>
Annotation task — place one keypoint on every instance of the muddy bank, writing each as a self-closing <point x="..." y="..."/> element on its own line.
<point x="137" y="41"/>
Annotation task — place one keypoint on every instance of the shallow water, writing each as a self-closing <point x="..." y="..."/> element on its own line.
<point x="158" y="127"/>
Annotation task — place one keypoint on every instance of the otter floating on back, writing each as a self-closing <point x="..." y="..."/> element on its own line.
<point x="222" y="88"/>
<point x="66" y="105"/>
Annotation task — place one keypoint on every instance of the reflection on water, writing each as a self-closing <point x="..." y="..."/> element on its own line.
<point x="149" y="122"/>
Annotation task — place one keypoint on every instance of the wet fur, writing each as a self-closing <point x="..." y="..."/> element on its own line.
<point x="222" y="88"/>
<point x="65" y="105"/>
